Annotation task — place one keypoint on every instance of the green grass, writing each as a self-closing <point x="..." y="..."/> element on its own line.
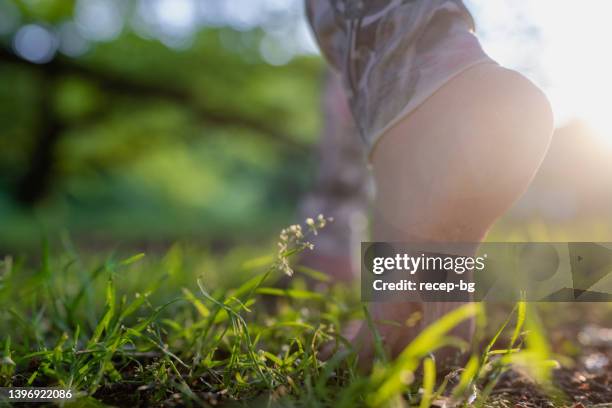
<point x="196" y="328"/>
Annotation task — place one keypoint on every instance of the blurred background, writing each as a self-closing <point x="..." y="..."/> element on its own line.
<point x="148" y="121"/>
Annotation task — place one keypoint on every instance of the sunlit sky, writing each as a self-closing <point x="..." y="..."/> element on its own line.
<point x="561" y="45"/>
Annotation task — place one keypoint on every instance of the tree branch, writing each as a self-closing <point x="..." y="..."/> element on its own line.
<point x="122" y="85"/>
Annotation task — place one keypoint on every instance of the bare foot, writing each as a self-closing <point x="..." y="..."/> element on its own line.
<point x="447" y="172"/>
<point x="398" y="324"/>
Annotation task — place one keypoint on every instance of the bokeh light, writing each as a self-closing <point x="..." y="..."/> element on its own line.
<point x="72" y="43"/>
<point x="35" y="43"/>
<point x="99" y="20"/>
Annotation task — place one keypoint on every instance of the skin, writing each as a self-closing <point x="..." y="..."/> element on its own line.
<point x="447" y="172"/>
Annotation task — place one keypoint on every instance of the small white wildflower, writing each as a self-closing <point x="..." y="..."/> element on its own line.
<point x="321" y="220"/>
<point x="291" y="241"/>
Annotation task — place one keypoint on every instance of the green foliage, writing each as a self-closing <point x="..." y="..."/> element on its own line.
<point x="148" y="330"/>
<point x="206" y="141"/>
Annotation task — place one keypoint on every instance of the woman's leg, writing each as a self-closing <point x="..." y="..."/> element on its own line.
<point x="450" y="169"/>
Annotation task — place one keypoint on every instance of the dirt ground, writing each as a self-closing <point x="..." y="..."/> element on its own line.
<point x="585" y="380"/>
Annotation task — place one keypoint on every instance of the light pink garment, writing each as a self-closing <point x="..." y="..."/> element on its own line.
<point x="393" y="54"/>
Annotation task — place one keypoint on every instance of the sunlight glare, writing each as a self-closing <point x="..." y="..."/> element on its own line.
<point x="564" y="47"/>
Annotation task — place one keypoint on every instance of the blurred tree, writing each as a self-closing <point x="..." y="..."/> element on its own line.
<point x="101" y="124"/>
<point x="34" y="183"/>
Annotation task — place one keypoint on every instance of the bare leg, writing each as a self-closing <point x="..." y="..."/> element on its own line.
<point x="450" y="169"/>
